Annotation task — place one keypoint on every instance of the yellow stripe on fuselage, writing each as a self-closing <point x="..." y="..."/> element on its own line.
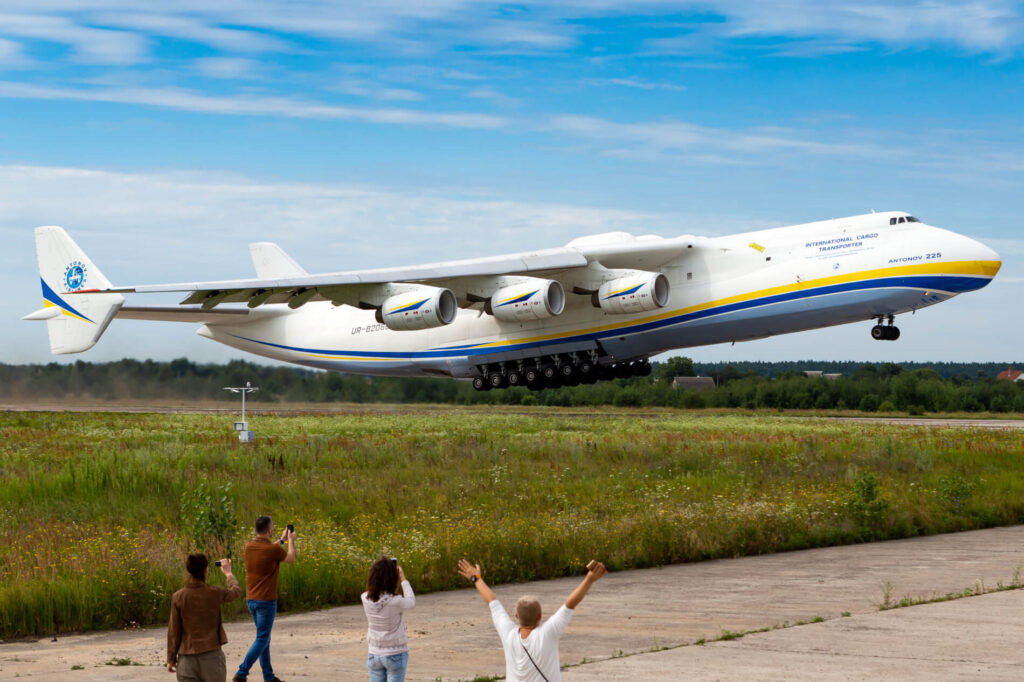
<point x="955" y="268"/>
<point x="979" y="268"/>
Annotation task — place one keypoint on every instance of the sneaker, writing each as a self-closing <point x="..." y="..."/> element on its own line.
<point x="238" y="678"/>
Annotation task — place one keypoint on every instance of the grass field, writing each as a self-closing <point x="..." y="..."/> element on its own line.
<point x="97" y="510"/>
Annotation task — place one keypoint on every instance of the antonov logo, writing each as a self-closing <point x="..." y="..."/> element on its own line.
<point x="74" y="275"/>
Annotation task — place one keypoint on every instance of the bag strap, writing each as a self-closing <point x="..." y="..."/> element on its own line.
<point x="527" y="652"/>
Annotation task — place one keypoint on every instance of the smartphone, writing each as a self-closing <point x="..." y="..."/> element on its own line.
<point x="291" y="528"/>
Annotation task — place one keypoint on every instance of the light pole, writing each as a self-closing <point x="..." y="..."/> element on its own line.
<point x="244" y="434"/>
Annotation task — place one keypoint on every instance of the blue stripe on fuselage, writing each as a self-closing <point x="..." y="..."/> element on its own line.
<point x="950" y="284"/>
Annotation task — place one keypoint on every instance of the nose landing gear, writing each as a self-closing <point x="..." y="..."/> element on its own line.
<point x="885" y="332"/>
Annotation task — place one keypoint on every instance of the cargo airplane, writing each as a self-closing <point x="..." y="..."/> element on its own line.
<point x="596" y="308"/>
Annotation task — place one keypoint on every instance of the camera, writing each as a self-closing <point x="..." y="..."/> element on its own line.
<point x="394" y="561"/>
<point x="291" y="528"/>
<point x="217" y="562"/>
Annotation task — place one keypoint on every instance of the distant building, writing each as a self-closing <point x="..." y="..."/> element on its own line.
<point x="693" y="383"/>
<point x="1011" y="374"/>
<point x="818" y="374"/>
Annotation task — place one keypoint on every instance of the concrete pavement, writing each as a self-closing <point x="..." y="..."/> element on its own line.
<point x="633" y="612"/>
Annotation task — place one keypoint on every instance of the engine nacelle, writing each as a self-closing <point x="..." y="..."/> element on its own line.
<point x="534" y="299"/>
<point x="637" y="292"/>
<point x="421" y="308"/>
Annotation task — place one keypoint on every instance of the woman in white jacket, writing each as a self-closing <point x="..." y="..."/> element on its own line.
<point x="388" y="643"/>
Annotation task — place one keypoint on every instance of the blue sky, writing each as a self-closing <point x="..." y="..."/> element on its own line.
<point x="167" y="138"/>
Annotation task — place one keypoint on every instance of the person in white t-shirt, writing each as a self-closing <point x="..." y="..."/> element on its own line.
<point x="531" y="648"/>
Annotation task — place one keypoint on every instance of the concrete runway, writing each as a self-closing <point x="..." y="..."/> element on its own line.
<point x="633" y="612"/>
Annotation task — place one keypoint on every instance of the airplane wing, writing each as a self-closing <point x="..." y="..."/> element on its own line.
<point x="468" y="278"/>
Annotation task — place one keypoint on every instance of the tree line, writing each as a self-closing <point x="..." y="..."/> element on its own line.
<point x="885" y="387"/>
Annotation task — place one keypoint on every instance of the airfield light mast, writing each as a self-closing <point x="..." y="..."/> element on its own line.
<point x="244" y="434"/>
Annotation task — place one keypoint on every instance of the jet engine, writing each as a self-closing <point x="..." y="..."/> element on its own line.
<point x="532" y="299"/>
<point x="636" y="292"/>
<point x="419" y="308"/>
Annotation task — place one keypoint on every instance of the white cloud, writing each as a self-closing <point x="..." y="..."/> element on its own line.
<point x="645" y="85"/>
<point x="364" y="88"/>
<point x="88" y="45"/>
<point x="235" y="68"/>
<point x="249" y="105"/>
<point x="673" y="136"/>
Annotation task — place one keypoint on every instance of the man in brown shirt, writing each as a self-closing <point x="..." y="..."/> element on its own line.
<point x="263" y="558"/>
<point x="195" y="633"/>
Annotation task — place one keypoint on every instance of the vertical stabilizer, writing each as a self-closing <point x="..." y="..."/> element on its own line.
<point x="74" y="322"/>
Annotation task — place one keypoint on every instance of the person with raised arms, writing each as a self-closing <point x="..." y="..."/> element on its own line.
<point x="531" y="648"/>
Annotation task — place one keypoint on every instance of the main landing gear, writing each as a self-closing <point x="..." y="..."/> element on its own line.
<point x="885" y="332"/>
<point x="552" y="371"/>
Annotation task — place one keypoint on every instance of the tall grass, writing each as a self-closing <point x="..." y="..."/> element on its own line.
<point x="97" y="511"/>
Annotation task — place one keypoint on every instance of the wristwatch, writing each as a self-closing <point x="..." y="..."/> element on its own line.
<point x="474" y="578"/>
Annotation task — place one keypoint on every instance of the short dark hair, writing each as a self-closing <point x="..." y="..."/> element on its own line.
<point x="263" y="524"/>
<point x="196" y="566"/>
<point x="383" y="578"/>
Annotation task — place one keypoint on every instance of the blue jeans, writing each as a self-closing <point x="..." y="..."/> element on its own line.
<point x="387" y="668"/>
<point x="262" y="613"/>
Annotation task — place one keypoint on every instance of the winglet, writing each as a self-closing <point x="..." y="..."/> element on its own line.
<point x="271" y="262"/>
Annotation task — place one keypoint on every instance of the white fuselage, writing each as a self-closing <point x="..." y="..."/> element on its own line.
<point x="733" y="288"/>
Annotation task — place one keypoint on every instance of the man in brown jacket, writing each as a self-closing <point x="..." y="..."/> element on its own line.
<point x="196" y="633"/>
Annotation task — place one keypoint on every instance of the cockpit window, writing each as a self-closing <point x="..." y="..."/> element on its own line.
<point x="902" y="219"/>
<point x="912" y="219"/>
<point x="892" y="221"/>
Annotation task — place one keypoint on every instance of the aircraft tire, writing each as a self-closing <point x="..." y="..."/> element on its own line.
<point x="894" y="333"/>
<point x="515" y="378"/>
<point x="481" y="384"/>
<point x="549" y="372"/>
<point x="878" y="333"/>
<point x="532" y="376"/>
<point x="497" y="380"/>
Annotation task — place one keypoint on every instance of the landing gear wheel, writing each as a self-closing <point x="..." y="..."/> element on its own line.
<point x="878" y="333"/>
<point x="497" y="380"/>
<point x="514" y="377"/>
<point x="480" y="384"/>
<point x="549" y="372"/>
<point x="642" y="369"/>
<point x="894" y="333"/>
<point x="532" y="376"/>
<point x="567" y="370"/>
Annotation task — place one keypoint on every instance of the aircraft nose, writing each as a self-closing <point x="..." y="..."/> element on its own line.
<point x="982" y="261"/>
<point x="984" y="255"/>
